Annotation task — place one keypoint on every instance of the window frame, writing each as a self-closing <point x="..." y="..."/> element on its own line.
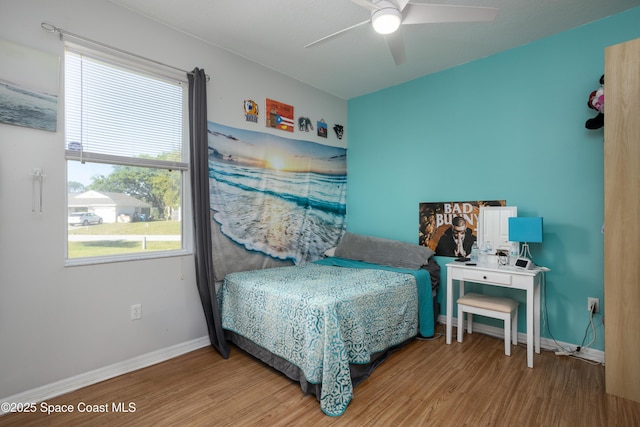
<point x="122" y="61"/>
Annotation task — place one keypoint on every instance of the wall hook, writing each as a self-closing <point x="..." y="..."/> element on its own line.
<point x="36" y="193"/>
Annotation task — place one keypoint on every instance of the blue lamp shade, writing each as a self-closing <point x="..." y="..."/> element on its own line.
<point x="525" y="229"/>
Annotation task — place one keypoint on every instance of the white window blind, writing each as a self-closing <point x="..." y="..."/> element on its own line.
<point x="122" y="116"/>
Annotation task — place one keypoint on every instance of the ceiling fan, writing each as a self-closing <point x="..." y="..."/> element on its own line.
<point x="388" y="15"/>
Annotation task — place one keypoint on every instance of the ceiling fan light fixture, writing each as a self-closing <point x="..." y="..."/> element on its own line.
<point x="386" y="20"/>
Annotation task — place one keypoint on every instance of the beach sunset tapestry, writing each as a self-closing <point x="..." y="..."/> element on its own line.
<point x="274" y="200"/>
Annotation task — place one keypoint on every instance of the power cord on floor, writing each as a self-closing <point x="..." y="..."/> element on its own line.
<point x="593" y="330"/>
<point x="576" y="354"/>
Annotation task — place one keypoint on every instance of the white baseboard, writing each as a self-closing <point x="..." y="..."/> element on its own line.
<point x="545" y="343"/>
<point x="76" y="382"/>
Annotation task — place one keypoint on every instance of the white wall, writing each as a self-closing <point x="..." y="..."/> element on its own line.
<point x="57" y="322"/>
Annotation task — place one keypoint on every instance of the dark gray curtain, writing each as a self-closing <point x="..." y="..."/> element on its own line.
<point x="201" y="208"/>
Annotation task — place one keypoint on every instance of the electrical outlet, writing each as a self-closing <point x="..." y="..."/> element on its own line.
<point x="136" y="311"/>
<point x="591" y="302"/>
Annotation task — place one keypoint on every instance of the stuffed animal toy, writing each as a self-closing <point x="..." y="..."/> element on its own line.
<point x="596" y="102"/>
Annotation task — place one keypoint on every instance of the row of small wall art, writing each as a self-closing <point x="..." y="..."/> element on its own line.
<point x="281" y="116"/>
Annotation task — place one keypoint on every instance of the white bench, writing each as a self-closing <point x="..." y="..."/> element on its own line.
<point x="504" y="309"/>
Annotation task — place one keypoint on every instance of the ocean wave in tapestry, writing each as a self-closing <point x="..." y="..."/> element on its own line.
<point x="280" y="197"/>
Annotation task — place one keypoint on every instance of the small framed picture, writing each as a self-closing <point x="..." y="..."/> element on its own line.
<point x="322" y="128"/>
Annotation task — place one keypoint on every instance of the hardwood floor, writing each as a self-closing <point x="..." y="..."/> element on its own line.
<point x="426" y="383"/>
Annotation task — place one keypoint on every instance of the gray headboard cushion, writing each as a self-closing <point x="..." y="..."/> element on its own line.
<point x="381" y="251"/>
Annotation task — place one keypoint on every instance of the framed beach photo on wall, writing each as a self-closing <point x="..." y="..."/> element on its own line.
<point x="28" y="87"/>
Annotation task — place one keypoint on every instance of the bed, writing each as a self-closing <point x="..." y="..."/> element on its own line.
<point x="329" y="323"/>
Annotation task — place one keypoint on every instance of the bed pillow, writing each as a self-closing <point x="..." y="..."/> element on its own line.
<point x="383" y="251"/>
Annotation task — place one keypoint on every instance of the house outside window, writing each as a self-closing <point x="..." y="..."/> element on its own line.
<point x="127" y="159"/>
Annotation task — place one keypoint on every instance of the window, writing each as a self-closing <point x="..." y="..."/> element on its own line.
<point x="126" y="159"/>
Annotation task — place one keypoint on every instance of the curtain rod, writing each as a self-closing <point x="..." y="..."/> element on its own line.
<point x="47" y="26"/>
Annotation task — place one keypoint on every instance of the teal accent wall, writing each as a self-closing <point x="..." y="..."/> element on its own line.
<point x="509" y="126"/>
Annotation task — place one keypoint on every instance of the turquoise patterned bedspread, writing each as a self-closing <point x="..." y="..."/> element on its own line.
<point x="322" y="317"/>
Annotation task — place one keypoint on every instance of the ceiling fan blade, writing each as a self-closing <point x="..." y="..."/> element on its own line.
<point x="337" y="33"/>
<point x="396" y="46"/>
<point x="418" y="13"/>
<point x="366" y="4"/>
<point x="400" y="4"/>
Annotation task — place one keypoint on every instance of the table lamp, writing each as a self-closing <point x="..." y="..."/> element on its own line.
<point x="525" y="230"/>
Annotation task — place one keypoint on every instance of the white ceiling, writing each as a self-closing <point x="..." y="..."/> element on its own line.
<point x="274" y="32"/>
